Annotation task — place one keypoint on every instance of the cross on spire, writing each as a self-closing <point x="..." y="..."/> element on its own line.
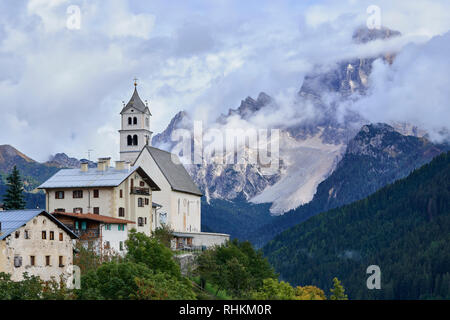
<point x="135" y="81"/>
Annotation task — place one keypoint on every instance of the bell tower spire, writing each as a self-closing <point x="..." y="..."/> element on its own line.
<point x="135" y="131"/>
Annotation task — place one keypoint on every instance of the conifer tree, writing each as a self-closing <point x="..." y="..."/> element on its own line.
<point x="338" y="291"/>
<point x="13" y="199"/>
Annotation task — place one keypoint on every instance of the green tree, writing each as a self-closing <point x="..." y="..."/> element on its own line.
<point x="163" y="234"/>
<point x="152" y="253"/>
<point x="128" y="280"/>
<point x="13" y="199"/>
<point x="338" y="291"/>
<point x="161" y="286"/>
<point x="234" y="267"/>
<point x="272" y="289"/>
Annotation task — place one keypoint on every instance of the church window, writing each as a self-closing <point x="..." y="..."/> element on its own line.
<point x="134" y="120"/>
<point x="135" y="140"/>
<point x="129" y="120"/>
<point x="121" y="212"/>
<point x="129" y="140"/>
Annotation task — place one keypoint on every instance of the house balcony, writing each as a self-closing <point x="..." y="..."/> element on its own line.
<point x="140" y="191"/>
<point x="86" y="234"/>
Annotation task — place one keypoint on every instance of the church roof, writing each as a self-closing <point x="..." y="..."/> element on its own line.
<point x="174" y="171"/>
<point x="136" y="103"/>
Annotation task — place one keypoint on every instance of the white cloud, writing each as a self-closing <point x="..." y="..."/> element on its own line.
<point x="61" y="89"/>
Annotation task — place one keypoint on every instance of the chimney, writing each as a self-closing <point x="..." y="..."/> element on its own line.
<point x="101" y="165"/>
<point x="84" y="167"/>
<point x="120" y="165"/>
<point x="107" y="162"/>
<point x="126" y="166"/>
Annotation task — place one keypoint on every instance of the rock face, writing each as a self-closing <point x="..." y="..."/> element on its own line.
<point x="61" y="160"/>
<point x="376" y="156"/>
<point x="309" y="150"/>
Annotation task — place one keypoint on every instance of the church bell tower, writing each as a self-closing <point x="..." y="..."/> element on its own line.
<point x="135" y="129"/>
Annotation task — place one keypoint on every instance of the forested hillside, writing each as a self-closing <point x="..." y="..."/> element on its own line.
<point x="375" y="157"/>
<point x="403" y="228"/>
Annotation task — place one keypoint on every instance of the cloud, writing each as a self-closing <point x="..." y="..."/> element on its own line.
<point x="413" y="89"/>
<point x="61" y="89"/>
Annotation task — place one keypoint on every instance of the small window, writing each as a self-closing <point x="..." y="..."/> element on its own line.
<point x="135" y="140"/>
<point x="47" y="260"/>
<point x="61" y="236"/>
<point x="130" y="140"/>
<point x="83" y="225"/>
<point x="140" y="202"/>
<point x="59" y="194"/>
<point x="17" y="261"/>
<point x="142" y="183"/>
<point x="140" y="222"/>
<point x="32" y="260"/>
<point x="96" y="193"/>
<point x="52" y="235"/>
<point x="77" y="226"/>
<point x="121" y="212"/>
<point x="129" y="120"/>
<point x="147" y="201"/>
<point x="96" y="210"/>
<point x="121" y="245"/>
<point x="17" y="234"/>
<point x="121" y="193"/>
<point x="60" y="210"/>
<point x="77" y="210"/>
<point x="78" y="194"/>
<point x="145" y="220"/>
<point x="61" y="261"/>
<point x="134" y="120"/>
<point x="27" y="234"/>
<point x="44" y="235"/>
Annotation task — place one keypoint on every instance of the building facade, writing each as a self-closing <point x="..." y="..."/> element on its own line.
<point x="122" y="192"/>
<point x="106" y="234"/>
<point x="35" y="242"/>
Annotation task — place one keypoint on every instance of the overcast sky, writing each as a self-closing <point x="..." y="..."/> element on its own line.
<point x="61" y="89"/>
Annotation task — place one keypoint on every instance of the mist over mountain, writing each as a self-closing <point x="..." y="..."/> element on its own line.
<point x="314" y="133"/>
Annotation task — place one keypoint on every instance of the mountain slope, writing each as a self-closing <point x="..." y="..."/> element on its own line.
<point x="313" y="134"/>
<point x="403" y="228"/>
<point x="378" y="155"/>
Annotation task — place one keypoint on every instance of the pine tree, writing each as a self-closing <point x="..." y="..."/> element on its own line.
<point x="13" y="199"/>
<point x="338" y="291"/>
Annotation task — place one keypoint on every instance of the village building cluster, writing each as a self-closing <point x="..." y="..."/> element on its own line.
<point x="144" y="190"/>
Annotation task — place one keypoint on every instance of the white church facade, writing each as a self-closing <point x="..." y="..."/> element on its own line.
<point x="148" y="187"/>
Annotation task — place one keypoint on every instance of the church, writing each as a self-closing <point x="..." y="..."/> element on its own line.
<point x="147" y="188"/>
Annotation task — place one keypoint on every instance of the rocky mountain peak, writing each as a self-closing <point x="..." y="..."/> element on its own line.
<point x="8" y="153"/>
<point x="62" y="160"/>
<point x="364" y="34"/>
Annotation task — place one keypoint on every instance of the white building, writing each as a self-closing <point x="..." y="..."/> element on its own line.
<point x="35" y="242"/>
<point x="156" y="190"/>
<point x="106" y="234"/>
<point x="180" y="198"/>
<point x="121" y="192"/>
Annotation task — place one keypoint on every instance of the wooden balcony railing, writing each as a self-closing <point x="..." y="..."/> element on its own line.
<point x="140" y="191"/>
